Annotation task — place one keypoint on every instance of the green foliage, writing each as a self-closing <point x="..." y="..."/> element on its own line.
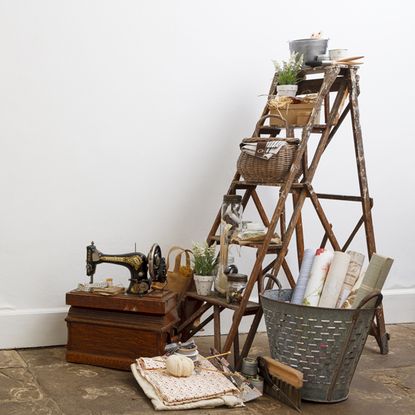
<point x="289" y="71"/>
<point x="204" y="259"/>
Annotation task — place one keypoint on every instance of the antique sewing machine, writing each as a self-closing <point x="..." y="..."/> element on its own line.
<point x="144" y="270"/>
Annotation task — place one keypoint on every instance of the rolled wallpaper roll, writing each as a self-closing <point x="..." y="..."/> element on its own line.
<point x="351" y="297"/>
<point x="334" y="280"/>
<point x="318" y="274"/>
<point x="304" y="275"/>
<point x="374" y="278"/>
<point x="353" y="272"/>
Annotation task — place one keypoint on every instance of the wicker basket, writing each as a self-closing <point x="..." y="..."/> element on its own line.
<point x="274" y="170"/>
<point x="323" y="343"/>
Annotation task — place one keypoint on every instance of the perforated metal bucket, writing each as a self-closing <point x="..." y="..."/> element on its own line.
<point x="323" y="343"/>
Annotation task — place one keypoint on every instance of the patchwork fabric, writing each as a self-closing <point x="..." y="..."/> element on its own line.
<point x="203" y="384"/>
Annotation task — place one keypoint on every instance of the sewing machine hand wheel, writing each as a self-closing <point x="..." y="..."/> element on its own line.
<point x="156" y="264"/>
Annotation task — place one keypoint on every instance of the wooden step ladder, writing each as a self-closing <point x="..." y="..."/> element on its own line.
<point x="339" y="83"/>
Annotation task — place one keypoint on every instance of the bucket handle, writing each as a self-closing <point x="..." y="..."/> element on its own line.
<point x="273" y="278"/>
<point x="375" y="294"/>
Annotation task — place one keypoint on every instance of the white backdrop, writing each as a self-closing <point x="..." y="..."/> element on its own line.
<point x="120" y="123"/>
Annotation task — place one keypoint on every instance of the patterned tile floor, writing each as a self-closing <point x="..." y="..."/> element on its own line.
<point x="40" y="381"/>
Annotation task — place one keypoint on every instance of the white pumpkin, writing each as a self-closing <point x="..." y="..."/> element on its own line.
<point x="180" y="366"/>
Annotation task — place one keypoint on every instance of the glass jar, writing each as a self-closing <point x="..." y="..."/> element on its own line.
<point x="231" y="215"/>
<point x="231" y="222"/>
<point x="236" y="286"/>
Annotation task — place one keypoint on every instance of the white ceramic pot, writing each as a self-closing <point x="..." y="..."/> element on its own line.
<point x="287" y="90"/>
<point x="203" y="284"/>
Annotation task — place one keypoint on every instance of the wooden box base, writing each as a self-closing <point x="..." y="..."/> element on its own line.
<point x="114" y="331"/>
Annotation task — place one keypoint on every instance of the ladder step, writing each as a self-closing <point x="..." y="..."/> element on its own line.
<point x="214" y="299"/>
<point x="272" y="248"/>
<point x="243" y="184"/>
<point x="271" y="129"/>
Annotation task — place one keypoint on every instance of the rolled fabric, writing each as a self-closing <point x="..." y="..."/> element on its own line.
<point x="304" y="275"/>
<point x="353" y="272"/>
<point x="351" y="297"/>
<point x="334" y="280"/>
<point x="321" y="265"/>
<point x="375" y="276"/>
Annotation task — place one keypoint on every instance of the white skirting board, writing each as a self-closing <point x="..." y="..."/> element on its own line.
<point x="47" y="327"/>
<point x="32" y="327"/>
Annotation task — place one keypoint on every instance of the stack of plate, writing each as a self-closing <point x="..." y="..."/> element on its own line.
<point x="190" y="352"/>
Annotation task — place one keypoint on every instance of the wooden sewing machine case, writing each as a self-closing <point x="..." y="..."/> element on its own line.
<point x="112" y="331"/>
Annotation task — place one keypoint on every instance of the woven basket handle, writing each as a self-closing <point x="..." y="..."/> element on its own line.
<point x="178" y="257"/>
<point x="371" y="296"/>
<point x="260" y="123"/>
<point x="178" y="260"/>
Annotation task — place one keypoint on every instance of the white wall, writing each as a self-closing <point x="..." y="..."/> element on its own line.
<point x="120" y="123"/>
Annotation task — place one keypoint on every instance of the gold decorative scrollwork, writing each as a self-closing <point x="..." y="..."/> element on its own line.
<point x="134" y="261"/>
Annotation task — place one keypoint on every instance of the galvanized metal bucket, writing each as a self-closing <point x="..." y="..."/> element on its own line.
<point x="323" y="343"/>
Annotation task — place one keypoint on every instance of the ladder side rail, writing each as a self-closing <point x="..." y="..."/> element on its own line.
<point x="360" y="161"/>
<point x="330" y="76"/>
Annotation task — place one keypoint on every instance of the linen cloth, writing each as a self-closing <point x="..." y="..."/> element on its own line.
<point x="158" y="404"/>
<point x="207" y="387"/>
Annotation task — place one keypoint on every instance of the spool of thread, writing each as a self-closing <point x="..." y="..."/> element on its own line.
<point x="258" y="382"/>
<point x="249" y="366"/>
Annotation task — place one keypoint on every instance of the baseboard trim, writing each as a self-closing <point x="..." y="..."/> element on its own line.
<point x="47" y="327"/>
<point x="32" y="327"/>
<point x="399" y="305"/>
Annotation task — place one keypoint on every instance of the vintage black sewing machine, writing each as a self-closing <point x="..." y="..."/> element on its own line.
<point x="144" y="270"/>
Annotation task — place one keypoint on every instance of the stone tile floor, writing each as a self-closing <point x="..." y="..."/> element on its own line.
<point x="40" y="381"/>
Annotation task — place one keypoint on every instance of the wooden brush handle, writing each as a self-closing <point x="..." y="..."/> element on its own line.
<point x="284" y="372"/>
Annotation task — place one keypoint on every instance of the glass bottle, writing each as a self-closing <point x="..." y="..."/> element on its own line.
<point x="230" y="224"/>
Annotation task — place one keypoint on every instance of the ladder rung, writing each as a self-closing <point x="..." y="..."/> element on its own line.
<point x="272" y="248"/>
<point x="270" y="129"/>
<point x="214" y="299"/>
<point x="243" y="184"/>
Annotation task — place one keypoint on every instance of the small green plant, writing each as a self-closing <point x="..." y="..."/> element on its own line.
<point x="204" y="258"/>
<point x="289" y="71"/>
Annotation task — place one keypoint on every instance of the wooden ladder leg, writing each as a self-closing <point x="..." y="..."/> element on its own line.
<point x="379" y="329"/>
<point x="216" y="328"/>
<point x="257" y="319"/>
<point x="299" y="234"/>
<point x="236" y="355"/>
<point x="360" y="161"/>
<point x="323" y="219"/>
<point x="250" y="338"/>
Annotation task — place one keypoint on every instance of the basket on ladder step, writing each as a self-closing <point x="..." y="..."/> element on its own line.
<point x="323" y="343"/>
<point x="254" y="168"/>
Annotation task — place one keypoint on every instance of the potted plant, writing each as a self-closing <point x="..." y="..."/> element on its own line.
<point x="289" y="75"/>
<point x="204" y="266"/>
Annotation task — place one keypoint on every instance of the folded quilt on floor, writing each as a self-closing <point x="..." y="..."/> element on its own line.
<point x="206" y="388"/>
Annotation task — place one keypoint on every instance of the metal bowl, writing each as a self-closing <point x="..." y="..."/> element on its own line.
<point x="309" y="48"/>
